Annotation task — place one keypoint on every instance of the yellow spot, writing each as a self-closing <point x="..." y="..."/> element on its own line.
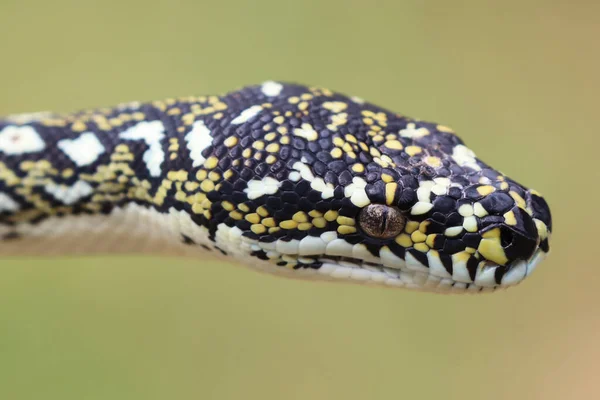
<point x="315" y="213"/>
<point x="269" y="222"/>
<point x="390" y="193"/>
<point x="304" y="226"/>
<point x="510" y="218"/>
<point x="319" y="222"/>
<point x="404" y="240"/>
<point x="270" y="136"/>
<point x="243" y="207"/>
<point x="394" y="145"/>
<point x="434" y="162"/>
<point x="485" y="190"/>
<point x="423" y="226"/>
<point x="288" y="224"/>
<point x="258" y="145"/>
<point x="275" y="229"/>
<point x="300" y="216"/>
<point x="273" y="148"/>
<point x="346" y="230"/>
<point x="422" y="247"/>
<point x="236" y="215"/>
<point x="358" y="168"/>
<point x="413" y="150"/>
<point x="258" y="228"/>
<point x="338" y="141"/>
<point x="331" y="215"/>
<point x="279" y="120"/>
<point x="418" y="236"/>
<point x="211" y="162"/>
<point x="253" y="218"/>
<point x="262" y="211"/>
<point x="207" y="186"/>
<point x="541" y="228"/>
<point x="492" y="250"/>
<point x="492" y="234"/>
<point x="271" y="159"/>
<point x="430" y="239"/>
<point x="518" y="199"/>
<point x="344" y="220"/>
<point x="335" y="106"/>
<point x="387" y="178"/>
<point x="445" y="129"/>
<point x="411" y="226"/>
<point x="230" y="141"/>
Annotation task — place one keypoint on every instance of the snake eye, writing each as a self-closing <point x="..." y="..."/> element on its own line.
<point x="380" y="221"/>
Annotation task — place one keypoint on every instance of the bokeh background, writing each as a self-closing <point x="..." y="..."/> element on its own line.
<point x="519" y="80"/>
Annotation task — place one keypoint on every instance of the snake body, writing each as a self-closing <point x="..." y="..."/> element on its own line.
<point x="285" y="178"/>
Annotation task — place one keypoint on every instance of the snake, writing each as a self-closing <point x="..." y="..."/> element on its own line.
<point x="288" y="179"/>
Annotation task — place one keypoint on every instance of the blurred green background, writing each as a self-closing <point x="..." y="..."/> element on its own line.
<point x="517" y="79"/>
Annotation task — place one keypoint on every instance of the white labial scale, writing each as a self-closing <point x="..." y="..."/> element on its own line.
<point x="515" y="274"/>
<point x="390" y="260"/>
<point x="486" y="275"/>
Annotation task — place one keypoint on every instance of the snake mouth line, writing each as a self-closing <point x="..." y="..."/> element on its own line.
<point x="488" y="276"/>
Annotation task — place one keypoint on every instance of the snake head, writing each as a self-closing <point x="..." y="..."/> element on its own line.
<point x="319" y="185"/>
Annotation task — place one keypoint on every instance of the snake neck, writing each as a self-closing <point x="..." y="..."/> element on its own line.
<point x="137" y="163"/>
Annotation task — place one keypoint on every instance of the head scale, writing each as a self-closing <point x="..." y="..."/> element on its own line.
<point x="324" y="186"/>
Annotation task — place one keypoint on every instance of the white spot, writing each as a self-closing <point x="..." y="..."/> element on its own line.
<point x="420" y="208"/>
<point x="294" y="176"/>
<point x="151" y="132"/>
<point x="247" y="114"/>
<point x="465" y="157"/>
<point x="8" y="204"/>
<point x="466" y="210"/>
<point x="470" y="224"/>
<point x="83" y="150"/>
<point x="317" y="184"/>
<point x="260" y="188"/>
<point x="20" y="140"/>
<point x="307" y="132"/>
<point x="424" y="194"/>
<point x="356" y="192"/>
<point x="479" y="211"/>
<point x="357" y="100"/>
<point x="69" y="194"/>
<point x="412" y="132"/>
<point x="198" y="139"/>
<point x="271" y="88"/>
<point x="453" y="231"/>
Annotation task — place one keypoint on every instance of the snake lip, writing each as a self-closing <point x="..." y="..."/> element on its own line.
<point x="488" y="277"/>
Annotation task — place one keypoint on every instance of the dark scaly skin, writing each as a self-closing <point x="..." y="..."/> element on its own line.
<point x="327" y="156"/>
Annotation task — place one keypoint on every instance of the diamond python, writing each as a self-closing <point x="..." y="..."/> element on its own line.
<point x="287" y="179"/>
